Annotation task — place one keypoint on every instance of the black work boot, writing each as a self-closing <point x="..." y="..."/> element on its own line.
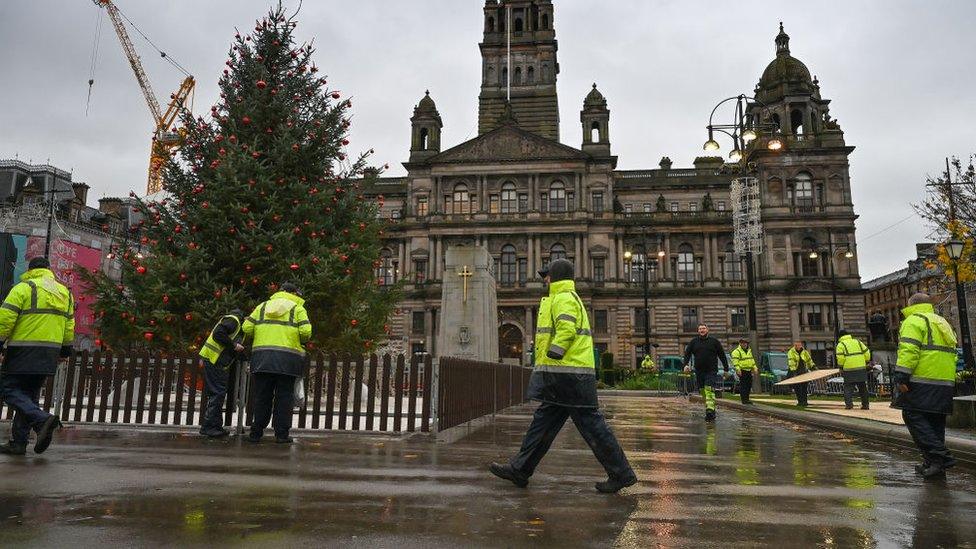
<point x="920" y="467"/>
<point x="14" y="448"/>
<point x="214" y="432"/>
<point x="45" y="432"/>
<point x="933" y="470"/>
<point x="284" y="440"/>
<point x="508" y="473"/>
<point x="614" y="485"/>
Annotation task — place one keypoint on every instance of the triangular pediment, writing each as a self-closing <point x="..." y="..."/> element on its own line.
<point x="508" y="143"/>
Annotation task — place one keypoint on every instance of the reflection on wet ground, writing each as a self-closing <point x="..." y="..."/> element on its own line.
<point x="746" y="481"/>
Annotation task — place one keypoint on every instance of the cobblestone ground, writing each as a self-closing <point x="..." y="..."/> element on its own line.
<point x="744" y="482"/>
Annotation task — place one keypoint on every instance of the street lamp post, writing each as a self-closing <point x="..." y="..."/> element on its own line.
<point x="628" y="255"/>
<point x="831" y="249"/>
<point x="954" y="248"/>
<point x="745" y="130"/>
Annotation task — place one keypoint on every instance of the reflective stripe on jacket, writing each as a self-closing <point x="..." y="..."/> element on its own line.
<point x="563" y="331"/>
<point x="279" y="328"/>
<point x="852" y="354"/>
<point x="742" y="359"/>
<point x="36" y="319"/>
<point x="927" y="354"/>
<point x="794" y="360"/>
<point x="213" y="351"/>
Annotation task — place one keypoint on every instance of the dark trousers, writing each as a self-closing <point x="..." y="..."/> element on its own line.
<point x="273" y="392"/>
<point x="216" y="380"/>
<point x="928" y="432"/>
<point x="745" y="386"/>
<point x="546" y="423"/>
<point x="801" y="393"/>
<point x="22" y="392"/>
<point x="862" y="389"/>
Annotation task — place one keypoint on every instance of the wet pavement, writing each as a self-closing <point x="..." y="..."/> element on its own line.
<point x="747" y="481"/>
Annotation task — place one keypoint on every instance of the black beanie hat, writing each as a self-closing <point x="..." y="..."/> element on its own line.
<point x="39" y="262"/>
<point x="560" y="269"/>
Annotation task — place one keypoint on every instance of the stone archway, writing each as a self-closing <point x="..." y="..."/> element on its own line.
<point x="510" y="342"/>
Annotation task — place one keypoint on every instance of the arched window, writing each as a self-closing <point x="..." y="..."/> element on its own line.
<point x="732" y="264"/>
<point x="545" y="21"/>
<point x="808" y="266"/>
<point x="517" y="79"/>
<point x="686" y="263"/>
<point x="424" y="139"/>
<point x="461" y="199"/>
<point x="557" y="197"/>
<point x="508" y="273"/>
<point x="803" y="193"/>
<point x="519" y="26"/>
<point x="637" y="264"/>
<point x="530" y="75"/>
<point x="557" y="251"/>
<point x="491" y="24"/>
<point x="509" y="198"/>
<point x="386" y="272"/>
<point x="796" y="122"/>
<point x="777" y="121"/>
<point x="504" y="76"/>
<point x="595" y="133"/>
<point x="545" y="73"/>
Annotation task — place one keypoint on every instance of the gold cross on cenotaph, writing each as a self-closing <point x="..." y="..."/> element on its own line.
<point x="465" y="274"/>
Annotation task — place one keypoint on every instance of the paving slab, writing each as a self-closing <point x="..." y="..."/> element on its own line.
<point x="745" y="481"/>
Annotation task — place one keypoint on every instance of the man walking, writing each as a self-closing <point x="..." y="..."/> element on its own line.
<point x="925" y="381"/>
<point x="799" y="362"/>
<point x="707" y="351"/>
<point x="219" y="355"/>
<point x="564" y="382"/>
<point x="280" y="328"/>
<point x="745" y="365"/>
<point x="852" y="358"/>
<point x="37" y="321"/>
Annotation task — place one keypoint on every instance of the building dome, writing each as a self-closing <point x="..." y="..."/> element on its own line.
<point x="785" y="75"/>
<point x="594" y="98"/>
<point x="426" y="104"/>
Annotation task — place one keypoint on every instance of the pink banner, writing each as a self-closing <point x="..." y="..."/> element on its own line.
<point x="66" y="258"/>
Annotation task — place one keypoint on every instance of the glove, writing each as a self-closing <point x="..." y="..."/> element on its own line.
<point x="67" y="351"/>
<point x="553" y="355"/>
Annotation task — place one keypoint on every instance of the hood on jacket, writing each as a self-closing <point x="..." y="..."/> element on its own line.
<point x="937" y="322"/>
<point x="281" y="303"/>
<point x="561" y="286"/>
<point x="47" y="283"/>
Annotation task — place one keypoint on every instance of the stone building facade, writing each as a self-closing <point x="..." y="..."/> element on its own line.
<point x="529" y="198"/>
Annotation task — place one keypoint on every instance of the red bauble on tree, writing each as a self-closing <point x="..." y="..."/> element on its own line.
<point x="261" y="84"/>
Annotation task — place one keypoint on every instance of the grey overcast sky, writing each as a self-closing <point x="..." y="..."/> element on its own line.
<point x="900" y="74"/>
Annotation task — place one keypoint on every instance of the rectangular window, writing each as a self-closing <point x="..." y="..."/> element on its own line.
<point x="689" y="319"/>
<point x="721" y="206"/>
<point x="544" y="202"/>
<point x="419" y="270"/>
<point x="600" y="321"/>
<point x="639" y="320"/>
<point x="675" y="207"/>
<point x="598" y="202"/>
<point x="737" y="318"/>
<point x="570" y="201"/>
<point x="493" y="204"/>
<point x="523" y="269"/>
<point x="598" y="269"/>
<point x="417" y="349"/>
<point x="421" y="206"/>
<point x="812" y="315"/>
<point x="628" y="208"/>
<point x="417" y="326"/>
<point x="523" y="202"/>
<point x="692" y="206"/>
<point x="448" y="204"/>
<point x="648" y="207"/>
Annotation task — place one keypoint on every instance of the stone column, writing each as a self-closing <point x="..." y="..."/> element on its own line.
<point x="530" y="257"/>
<point x="614" y="259"/>
<point x="578" y="254"/>
<point x="707" y="267"/>
<point x="538" y="252"/>
<point x="433" y="205"/>
<point x="438" y="269"/>
<point x="666" y="268"/>
<point x="587" y="269"/>
<point x="533" y="179"/>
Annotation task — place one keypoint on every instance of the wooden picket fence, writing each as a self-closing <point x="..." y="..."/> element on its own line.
<point x="469" y="389"/>
<point x="347" y="393"/>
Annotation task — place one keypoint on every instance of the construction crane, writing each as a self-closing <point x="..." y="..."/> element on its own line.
<point x="165" y="138"/>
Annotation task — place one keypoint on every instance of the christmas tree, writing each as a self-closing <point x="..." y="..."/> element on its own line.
<point x="261" y="192"/>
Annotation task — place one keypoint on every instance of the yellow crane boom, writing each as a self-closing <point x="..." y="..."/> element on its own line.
<point x="165" y="140"/>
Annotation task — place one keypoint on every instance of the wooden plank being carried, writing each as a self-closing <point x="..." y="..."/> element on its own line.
<point x="809" y="376"/>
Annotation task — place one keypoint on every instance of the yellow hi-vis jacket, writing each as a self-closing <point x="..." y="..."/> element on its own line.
<point x="279" y="328"/>
<point x="213" y="350"/>
<point x="742" y="359"/>
<point x="563" y="342"/>
<point x="926" y="360"/>
<point x="37" y="319"/>
<point x="852" y="354"/>
<point x="799" y="362"/>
